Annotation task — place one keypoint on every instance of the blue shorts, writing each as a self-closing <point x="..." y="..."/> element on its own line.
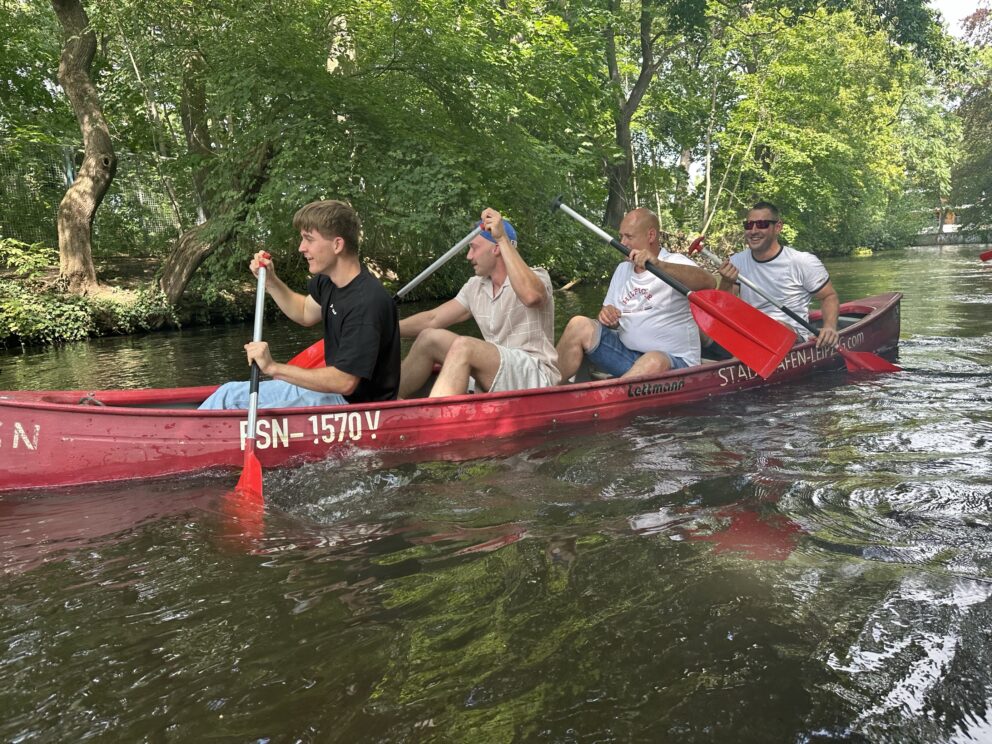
<point x="271" y="394"/>
<point x="609" y="355"/>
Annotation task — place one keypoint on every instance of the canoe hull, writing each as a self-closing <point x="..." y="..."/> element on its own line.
<point x="61" y="438"/>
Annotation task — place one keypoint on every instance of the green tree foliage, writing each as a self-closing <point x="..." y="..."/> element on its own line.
<point x="832" y="124"/>
<point x="421" y="112"/>
<point x="419" y="116"/>
<point x="31" y="107"/>
<point x="972" y="181"/>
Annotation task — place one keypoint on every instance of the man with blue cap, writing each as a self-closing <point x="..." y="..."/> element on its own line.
<point x="514" y="308"/>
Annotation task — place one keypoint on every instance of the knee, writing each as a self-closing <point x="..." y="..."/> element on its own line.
<point x="653" y="363"/>
<point x="579" y="330"/>
<point x="460" y="350"/>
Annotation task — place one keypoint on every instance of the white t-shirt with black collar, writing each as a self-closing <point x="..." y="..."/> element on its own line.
<point x="792" y="277"/>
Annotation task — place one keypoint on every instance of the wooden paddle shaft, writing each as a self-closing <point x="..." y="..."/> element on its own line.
<point x="670" y="281"/>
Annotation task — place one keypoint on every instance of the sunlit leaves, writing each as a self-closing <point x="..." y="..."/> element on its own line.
<point x="827" y="105"/>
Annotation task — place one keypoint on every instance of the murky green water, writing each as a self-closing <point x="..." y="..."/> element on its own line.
<point x="802" y="563"/>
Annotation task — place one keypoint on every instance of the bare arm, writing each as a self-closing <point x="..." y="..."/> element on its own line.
<point x="442" y="316"/>
<point x="323" y="379"/>
<point x="830" y="308"/>
<point x="302" y="309"/>
<point x="691" y="276"/>
<point x="526" y="284"/>
<point x="299" y="308"/>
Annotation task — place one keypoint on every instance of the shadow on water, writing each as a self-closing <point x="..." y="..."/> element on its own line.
<point x="797" y="563"/>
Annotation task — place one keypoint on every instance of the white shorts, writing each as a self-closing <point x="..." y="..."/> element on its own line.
<point x="518" y="370"/>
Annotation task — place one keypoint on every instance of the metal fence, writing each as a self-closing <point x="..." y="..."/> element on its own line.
<point x="138" y="215"/>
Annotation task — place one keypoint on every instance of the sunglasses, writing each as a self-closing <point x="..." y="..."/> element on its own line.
<point x="760" y="224"/>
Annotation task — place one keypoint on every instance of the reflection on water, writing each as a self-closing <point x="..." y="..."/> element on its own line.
<point x="800" y="563"/>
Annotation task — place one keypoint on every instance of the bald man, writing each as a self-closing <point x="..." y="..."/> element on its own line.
<point x="645" y="326"/>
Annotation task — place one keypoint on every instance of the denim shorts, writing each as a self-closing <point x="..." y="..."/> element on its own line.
<point x="271" y="394"/>
<point x="612" y="357"/>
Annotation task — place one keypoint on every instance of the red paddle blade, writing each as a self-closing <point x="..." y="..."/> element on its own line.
<point x="244" y="506"/>
<point x="311" y="357"/>
<point x="249" y="488"/>
<point x="865" y="361"/>
<point x="986" y="256"/>
<point x="757" y="340"/>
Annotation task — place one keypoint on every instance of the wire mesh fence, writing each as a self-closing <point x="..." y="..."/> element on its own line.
<point x="141" y="214"/>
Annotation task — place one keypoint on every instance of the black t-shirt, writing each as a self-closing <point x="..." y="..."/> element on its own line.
<point x="361" y="334"/>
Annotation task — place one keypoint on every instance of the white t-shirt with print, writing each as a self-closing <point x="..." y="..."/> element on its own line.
<point x="654" y="317"/>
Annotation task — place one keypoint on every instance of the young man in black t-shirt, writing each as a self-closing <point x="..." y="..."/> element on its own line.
<point x="361" y="323"/>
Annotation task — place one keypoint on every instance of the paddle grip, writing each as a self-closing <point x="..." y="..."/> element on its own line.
<point x="669" y="280"/>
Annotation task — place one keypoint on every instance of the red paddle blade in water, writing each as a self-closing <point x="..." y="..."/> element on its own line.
<point x="247" y="495"/>
<point x="244" y="507"/>
<point x="866" y="361"/>
<point x="746" y="332"/>
<point x="986" y="256"/>
<point x="249" y="488"/>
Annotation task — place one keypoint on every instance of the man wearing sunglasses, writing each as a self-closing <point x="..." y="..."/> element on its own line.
<point x="793" y="277"/>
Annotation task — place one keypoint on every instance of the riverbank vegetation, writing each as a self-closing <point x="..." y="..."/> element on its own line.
<point x="181" y="136"/>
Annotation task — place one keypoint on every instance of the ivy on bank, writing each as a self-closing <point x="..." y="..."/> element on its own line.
<point x="34" y="311"/>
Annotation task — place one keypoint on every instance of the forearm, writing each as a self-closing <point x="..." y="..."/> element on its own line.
<point x="323" y="380"/>
<point x="291" y="303"/>
<point x="526" y="284"/>
<point x="693" y="277"/>
<point x="830" y="310"/>
<point x="412" y="326"/>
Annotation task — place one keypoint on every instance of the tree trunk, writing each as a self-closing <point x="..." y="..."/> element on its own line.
<point x="83" y="197"/>
<point x="619" y="177"/>
<point x="620" y="172"/>
<point x="193" y="114"/>
<point x="199" y="242"/>
<point x="218" y="222"/>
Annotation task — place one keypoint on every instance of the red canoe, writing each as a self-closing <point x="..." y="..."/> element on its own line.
<point x="60" y="438"/>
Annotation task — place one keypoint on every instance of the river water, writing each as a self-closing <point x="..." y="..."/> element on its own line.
<point x="802" y="563"/>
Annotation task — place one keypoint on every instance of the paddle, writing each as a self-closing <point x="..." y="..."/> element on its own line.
<point x="856" y="361"/>
<point x="313" y="355"/>
<point x="249" y="487"/>
<point x="758" y="341"/>
<point x="452" y="252"/>
<point x="986" y="256"/>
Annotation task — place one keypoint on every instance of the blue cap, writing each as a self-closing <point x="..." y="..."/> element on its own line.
<point x="507" y="228"/>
